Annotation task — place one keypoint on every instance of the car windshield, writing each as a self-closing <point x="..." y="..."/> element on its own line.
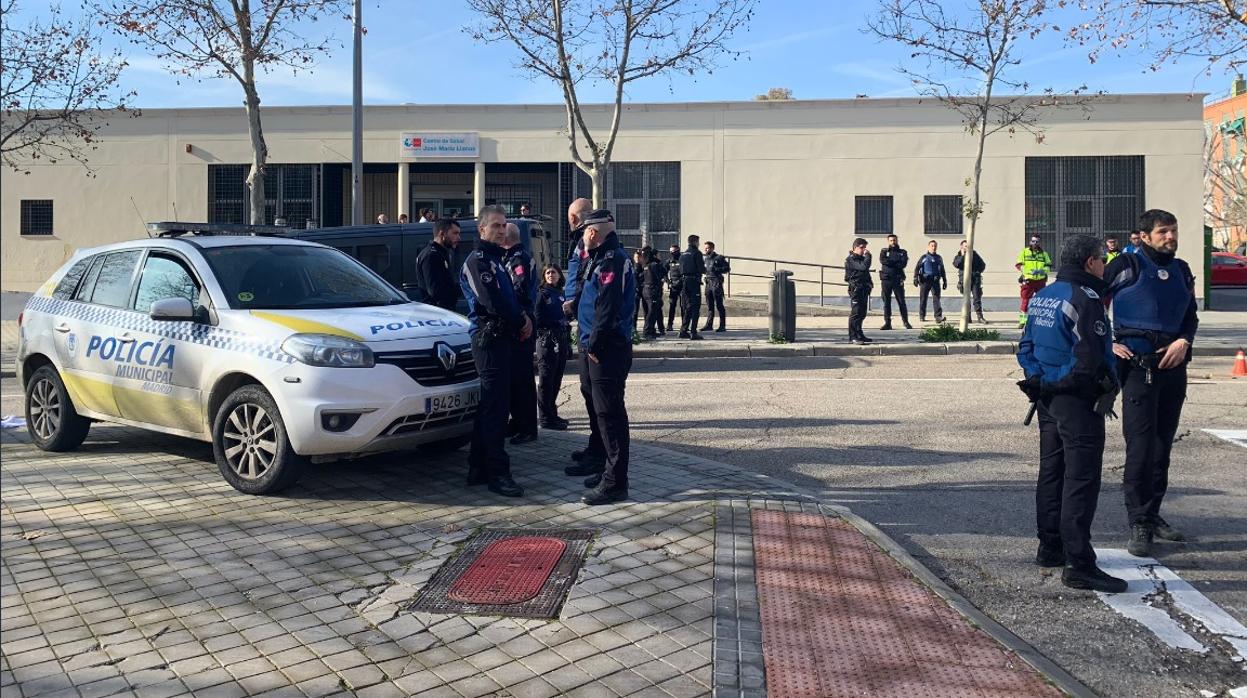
<point x="296" y="277"/>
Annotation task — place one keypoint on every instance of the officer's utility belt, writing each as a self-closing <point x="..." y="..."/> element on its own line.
<point x="491" y="330"/>
<point x="1156" y="339"/>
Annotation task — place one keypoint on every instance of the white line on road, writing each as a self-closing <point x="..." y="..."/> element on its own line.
<point x="1149" y="579"/>
<point x="1238" y="437"/>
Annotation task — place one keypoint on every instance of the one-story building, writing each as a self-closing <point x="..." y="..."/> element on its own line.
<point x="790" y="181"/>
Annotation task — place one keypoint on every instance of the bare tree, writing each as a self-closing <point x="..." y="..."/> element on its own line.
<point x="964" y="61"/>
<point x="1225" y="180"/>
<point x="775" y="94"/>
<point x="57" y="90"/>
<point x="228" y="39"/>
<point x="1211" y="30"/>
<point x="576" y="42"/>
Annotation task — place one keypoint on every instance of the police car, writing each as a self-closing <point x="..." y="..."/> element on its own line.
<point x="277" y="351"/>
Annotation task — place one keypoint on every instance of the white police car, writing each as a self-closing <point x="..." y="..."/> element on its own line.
<point x="275" y="350"/>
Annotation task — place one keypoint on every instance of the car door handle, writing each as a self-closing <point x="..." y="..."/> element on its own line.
<point x="63" y="327"/>
<point x="126" y="338"/>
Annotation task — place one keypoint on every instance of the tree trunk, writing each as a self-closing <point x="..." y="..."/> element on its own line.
<point x="967" y="261"/>
<point x="259" y="151"/>
<point x="596" y="178"/>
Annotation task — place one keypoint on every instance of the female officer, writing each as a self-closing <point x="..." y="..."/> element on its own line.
<point x="553" y="346"/>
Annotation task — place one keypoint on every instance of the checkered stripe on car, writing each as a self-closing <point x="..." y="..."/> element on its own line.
<point x="181" y="331"/>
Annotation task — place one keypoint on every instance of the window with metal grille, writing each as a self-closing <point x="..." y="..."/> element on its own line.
<point x="36" y="217"/>
<point x="942" y="215"/>
<point x="290" y="191"/>
<point x="1101" y="196"/>
<point x="644" y="196"/>
<point x="874" y="215"/>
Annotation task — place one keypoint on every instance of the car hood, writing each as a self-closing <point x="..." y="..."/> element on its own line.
<point x="380" y="324"/>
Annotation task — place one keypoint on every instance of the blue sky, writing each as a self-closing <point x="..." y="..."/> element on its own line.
<point x="416" y="52"/>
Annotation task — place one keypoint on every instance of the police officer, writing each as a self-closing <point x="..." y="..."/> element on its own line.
<point x="929" y="274"/>
<point x="1034" y="264"/>
<point x="519" y="264"/>
<point x="576" y="213"/>
<point x="604" y="322"/>
<point x="652" y="276"/>
<point x="1154" y="313"/>
<point x="496" y="324"/>
<point x="977" y="267"/>
<point x="857" y="276"/>
<point x="675" y="286"/>
<point x="892" y="264"/>
<point x="1066" y="355"/>
<point x="435" y="283"/>
<point x="1110" y="249"/>
<point x="692" y="269"/>
<point x="553" y="346"/>
<point x="716" y="266"/>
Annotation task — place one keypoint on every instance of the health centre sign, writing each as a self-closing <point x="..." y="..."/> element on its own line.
<point x="418" y="144"/>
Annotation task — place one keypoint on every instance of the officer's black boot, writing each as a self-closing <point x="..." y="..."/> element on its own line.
<point x="1050" y="556"/>
<point x="1164" y="531"/>
<point x="602" y="495"/>
<point x="1140" y="544"/>
<point x="887" y="325"/>
<point x="982" y="320"/>
<point x="1092" y="578"/>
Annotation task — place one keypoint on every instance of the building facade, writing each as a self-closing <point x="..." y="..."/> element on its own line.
<point x="792" y="181"/>
<point x="1225" y="179"/>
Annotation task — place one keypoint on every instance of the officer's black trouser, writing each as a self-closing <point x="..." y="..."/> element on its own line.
<point x="714" y="302"/>
<point x="930" y="286"/>
<point x="976" y="294"/>
<point x="690" y="307"/>
<point x="487" y="456"/>
<point x="894" y="286"/>
<point x="859" y="296"/>
<point x="1071" y="456"/>
<point x="551" y="365"/>
<point x="523" y="388"/>
<point x="602" y="385"/>
<point x="673" y="300"/>
<point x="653" y="314"/>
<point x="1149" y="420"/>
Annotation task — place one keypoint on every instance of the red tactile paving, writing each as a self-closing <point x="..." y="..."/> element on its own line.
<point x="842" y="618"/>
<point x="508" y="571"/>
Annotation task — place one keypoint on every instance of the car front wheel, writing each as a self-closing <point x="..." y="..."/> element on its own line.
<point x="251" y="445"/>
<point x="51" y="419"/>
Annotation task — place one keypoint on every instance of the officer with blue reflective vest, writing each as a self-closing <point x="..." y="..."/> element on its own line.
<point x="604" y="317"/>
<point x="930" y="276"/>
<point x="1154" y="314"/>
<point x="576" y="213"/>
<point x="519" y="264"/>
<point x="1066" y="354"/>
<point x="497" y="325"/>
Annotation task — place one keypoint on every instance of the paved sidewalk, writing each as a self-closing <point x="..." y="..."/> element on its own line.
<point x="131" y="567"/>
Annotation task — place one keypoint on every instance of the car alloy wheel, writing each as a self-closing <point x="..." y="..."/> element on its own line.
<point x="45" y="409"/>
<point x="250" y="441"/>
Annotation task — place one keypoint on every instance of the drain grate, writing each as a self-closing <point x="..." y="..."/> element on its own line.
<point x="522" y="573"/>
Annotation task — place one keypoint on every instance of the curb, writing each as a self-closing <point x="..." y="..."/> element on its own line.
<point x="746" y="351"/>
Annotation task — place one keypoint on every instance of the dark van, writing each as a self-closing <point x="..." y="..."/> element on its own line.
<point x="391" y="249"/>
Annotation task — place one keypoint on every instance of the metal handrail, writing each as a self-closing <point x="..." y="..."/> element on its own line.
<point x="822" y="272"/>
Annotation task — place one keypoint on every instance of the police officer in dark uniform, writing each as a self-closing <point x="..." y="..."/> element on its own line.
<point x="692" y="269"/>
<point x="519" y="264"/>
<point x="675" y="286"/>
<point x="497" y="325"/>
<point x="857" y="276"/>
<point x="1066" y="354"/>
<point x="1154" y="313"/>
<point x="605" y="322"/>
<point x="435" y="283"/>
<point x="716" y="266"/>
<point x="652" y="276"/>
<point x="892" y="264"/>
<point x="977" y="267"/>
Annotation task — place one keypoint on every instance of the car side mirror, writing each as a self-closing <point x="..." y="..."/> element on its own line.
<point x="172" y="309"/>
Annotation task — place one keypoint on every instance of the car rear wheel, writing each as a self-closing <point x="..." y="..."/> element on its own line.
<point x="251" y="445"/>
<point x="51" y="419"/>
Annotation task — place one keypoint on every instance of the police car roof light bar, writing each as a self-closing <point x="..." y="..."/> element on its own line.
<point x="172" y="229"/>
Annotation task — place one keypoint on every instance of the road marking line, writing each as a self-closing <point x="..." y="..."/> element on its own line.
<point x="1147" y="579"/>
<point x="1238" y="437"/>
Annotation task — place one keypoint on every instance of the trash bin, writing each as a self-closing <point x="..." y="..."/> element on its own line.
<point x="783" y="307"/>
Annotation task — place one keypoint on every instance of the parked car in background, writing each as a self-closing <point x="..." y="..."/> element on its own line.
<point x="1228" y="269"/>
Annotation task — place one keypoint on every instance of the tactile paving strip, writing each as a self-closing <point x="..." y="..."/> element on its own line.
<point x="546" y="602"/>
<point x="508" y="571"/>
<point x="842" y="618"/>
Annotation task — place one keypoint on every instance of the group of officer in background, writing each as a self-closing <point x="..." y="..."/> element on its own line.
<point x="1075" y="362"/>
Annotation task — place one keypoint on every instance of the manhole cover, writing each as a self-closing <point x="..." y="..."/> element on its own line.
<point x="523" y="573"/>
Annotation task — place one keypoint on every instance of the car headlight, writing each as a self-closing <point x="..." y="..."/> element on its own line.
<point x="328" y="350"/>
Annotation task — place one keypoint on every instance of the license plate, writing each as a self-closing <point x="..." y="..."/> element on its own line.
<point x="453" y="401"/>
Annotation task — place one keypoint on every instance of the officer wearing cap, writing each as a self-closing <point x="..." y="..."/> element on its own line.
<point x="1067" y="356"/>
<point x="519" y="264"/>
<point x="604" y="322"/>
<point x="497" y="325"/>
<point x="1154" y="314"/>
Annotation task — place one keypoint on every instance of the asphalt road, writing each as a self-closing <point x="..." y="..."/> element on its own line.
<point x="932" y="450"/>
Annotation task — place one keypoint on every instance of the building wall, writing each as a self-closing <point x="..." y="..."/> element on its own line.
<point x="773" y="180"/>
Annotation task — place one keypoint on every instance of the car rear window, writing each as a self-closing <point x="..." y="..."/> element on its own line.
<point x="69" y="282"/>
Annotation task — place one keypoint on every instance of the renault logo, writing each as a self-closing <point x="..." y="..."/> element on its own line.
<point x="447" y="356"/>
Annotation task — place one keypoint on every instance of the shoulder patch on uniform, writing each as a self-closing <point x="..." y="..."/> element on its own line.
<point x="1100" y="328"/>
<point x="487" y="277"/>
<point x="1090" y="294"/>
<point x="1162" y="274"/>
<point x="606" y="276"/>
